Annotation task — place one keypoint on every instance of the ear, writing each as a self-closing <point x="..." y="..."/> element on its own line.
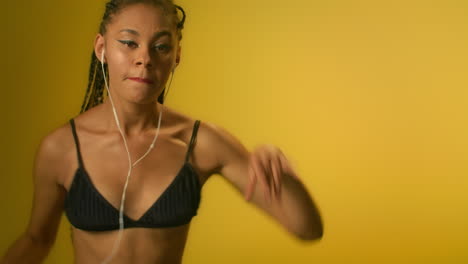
<point x="99" y="47"/>
<point x="177" y="60"/>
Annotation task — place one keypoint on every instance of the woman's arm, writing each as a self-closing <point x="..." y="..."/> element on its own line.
<point x="35" y="243"/>
<point x="290" y="203"/>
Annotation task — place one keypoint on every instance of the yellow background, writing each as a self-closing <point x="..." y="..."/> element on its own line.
<point x="367" y="98"/>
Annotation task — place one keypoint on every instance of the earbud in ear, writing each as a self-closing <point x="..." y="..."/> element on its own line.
<point x="102" y="56"/>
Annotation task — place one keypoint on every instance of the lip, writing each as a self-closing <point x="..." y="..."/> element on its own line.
<point x="141" y="80"/>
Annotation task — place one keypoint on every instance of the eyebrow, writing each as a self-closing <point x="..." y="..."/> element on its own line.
<point x="156" y="35"/>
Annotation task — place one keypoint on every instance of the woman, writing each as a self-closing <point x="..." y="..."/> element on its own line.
<point x="84" y="169"/>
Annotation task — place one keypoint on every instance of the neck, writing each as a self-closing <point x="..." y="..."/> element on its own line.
<point x="134" y="119"/>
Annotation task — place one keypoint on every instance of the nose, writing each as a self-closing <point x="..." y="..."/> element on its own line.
<point x="144" y="58"/>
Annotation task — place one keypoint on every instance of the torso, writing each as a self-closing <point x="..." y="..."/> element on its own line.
<point x="105" y="159"/>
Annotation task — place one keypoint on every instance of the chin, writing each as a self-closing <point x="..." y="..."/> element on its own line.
<point x="144" y="101"/>
<point x="141" y="96"/>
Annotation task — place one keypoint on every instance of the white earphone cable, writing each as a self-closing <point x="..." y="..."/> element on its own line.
<point x="121" y="210"/>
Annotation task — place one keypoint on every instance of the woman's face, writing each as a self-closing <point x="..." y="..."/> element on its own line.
<point x="140" y="42"/>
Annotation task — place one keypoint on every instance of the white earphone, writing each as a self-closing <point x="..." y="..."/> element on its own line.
<point x="131" y="165"/>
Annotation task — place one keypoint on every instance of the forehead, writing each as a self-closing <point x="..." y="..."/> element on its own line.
<point x="144" y="18"/>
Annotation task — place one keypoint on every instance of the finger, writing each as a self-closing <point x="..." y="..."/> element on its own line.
<point x="269" y="175"/>
<point x="277" y="175"/>
<point x="251" y="184"/>
<point x="286" y="165"/>
<point x="260" y="175"/>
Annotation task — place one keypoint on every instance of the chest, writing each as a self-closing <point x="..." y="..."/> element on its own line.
<point x="165" y="171"/>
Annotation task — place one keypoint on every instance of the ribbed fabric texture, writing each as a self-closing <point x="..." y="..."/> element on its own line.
<point x="87" y="209"/>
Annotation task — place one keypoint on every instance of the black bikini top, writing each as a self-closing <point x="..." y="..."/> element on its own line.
<point x="87" y="209"/>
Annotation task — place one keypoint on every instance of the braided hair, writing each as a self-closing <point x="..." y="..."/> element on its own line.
<point x="95" y="91"/>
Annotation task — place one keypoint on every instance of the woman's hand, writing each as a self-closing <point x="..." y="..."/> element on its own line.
<point x="294" y="210"/>
<point x="268" y="165"/>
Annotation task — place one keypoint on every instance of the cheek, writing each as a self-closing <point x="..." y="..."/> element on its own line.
<point x="163" y="66"/>
<point x="118" y="64"/>
<point x="122" y="59"/>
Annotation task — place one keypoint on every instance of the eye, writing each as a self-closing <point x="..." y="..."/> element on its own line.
<point x="129" y="43"/>
<point x="162" y="48"/>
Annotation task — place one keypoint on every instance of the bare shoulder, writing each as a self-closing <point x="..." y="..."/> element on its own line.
<point x="220" y="146"/>
<point x="58" y="140"/>
<point x="54" y="150"/>
<point x="214" y="146"/>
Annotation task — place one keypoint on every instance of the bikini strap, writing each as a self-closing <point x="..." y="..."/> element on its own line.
<point x="192" y="140"/>
<point x="77" y="142"/>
